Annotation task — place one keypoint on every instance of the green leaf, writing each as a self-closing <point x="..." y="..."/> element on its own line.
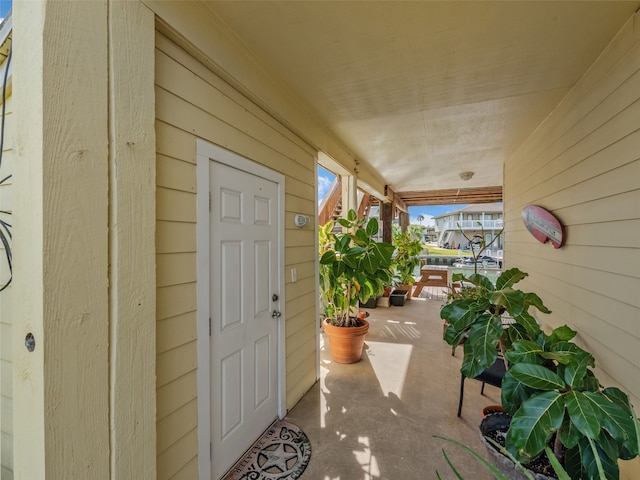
<point x="342" y="243"/>
<point x="537" y="376"/>
<point x="524" y="351"/>
<point x="483" y="339"/>
<point x="457" y="277"/>
<point x="536" y="301"/>
<point x="569" y="434"/>
<point x="608" y="445"/>
<point x="344" y="222"/>
<point x="372" y="227"/>
<point x="615" y="420"/>
<point x="510" y="277"/>
<point x="561" y="357"/>
<point x="352" y="215"/>
<point x="383" y="251"/>
<point x="534" y="423"/>
<point x="487" y="465"/>
<point x="453" y="337"/>
<point x="453" y="468"/>
<point x="576" y="369"/>
<point x="573" y="463"/>
<point x="596" y="462"/>
<point x="328" y="258"/>
<point x="619" y="397"/>
<point x="459" y="314"/>
<point x="529" y="323"/>
<point x="480" y="281"/>
<point x="562" y="334"/>
<point x="512" y="300"/>
<point x="582" y="414"/>
<point x="513" y="393"/>
<point x="553" y="460"/>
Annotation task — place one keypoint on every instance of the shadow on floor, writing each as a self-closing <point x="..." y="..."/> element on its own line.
<point x="377" y="419"/>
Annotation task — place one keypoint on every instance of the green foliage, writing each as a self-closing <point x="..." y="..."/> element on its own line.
<point x="405" y="258"/>
<point x="353" y="267"/>
<point x="550" y="388"/>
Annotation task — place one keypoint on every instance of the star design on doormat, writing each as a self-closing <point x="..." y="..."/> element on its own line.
<point x="278" y="457"/>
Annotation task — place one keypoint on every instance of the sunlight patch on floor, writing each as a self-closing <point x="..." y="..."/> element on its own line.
<point x="324" y="391"/>
<point x="368" y="461"/>
<point x="397" y="330"/>
<point x="390" y="362"/>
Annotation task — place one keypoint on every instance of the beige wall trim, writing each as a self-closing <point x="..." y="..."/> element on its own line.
<point x="132" y="279"/>
<point x="227" y="57"/>
<point x="61" y="389"/>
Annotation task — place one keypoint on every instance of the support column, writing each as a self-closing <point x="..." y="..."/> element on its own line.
<point x="349" y="193"/>
<point x="387" y="221"/>
<point x="132" y="280"/>
<point x="60" y="296"/>
<point x="84" y="399"/>
<point x="404" y="221"/>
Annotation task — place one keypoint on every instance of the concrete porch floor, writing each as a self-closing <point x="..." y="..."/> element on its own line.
<point x="377" y="419"/>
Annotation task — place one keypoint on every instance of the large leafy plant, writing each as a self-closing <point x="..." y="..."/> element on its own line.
<point x="353" y="267"/>
<point x="550" y="388"/>
<point x="405" y="258"/>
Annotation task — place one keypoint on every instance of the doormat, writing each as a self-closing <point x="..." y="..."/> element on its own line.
<point x="282" y="453"/>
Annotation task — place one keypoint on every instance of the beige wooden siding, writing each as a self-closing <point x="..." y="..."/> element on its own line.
<point x="6" y="370"/>
<point x="192" y="102"/>
<point x="583" y="164"/>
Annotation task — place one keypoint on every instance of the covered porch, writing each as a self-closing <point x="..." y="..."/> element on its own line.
<point x="377" y="419"/>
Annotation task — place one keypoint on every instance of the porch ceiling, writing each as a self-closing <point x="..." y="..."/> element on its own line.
<point x="422" y="91"/>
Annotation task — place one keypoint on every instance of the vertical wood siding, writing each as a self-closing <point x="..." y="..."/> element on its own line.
<point x="583" y="164"/>
<point x="192" y="102"/>
<point x="6" y="369"/>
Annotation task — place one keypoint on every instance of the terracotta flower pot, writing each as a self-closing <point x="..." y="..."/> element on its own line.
<point x="491" y="409"/>
<point x="346" y="343"/>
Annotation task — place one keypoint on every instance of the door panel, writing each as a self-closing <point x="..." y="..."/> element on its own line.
<point x="244" y="336"/>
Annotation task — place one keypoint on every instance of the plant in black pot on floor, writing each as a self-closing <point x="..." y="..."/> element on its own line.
<point x="353" y="268"/>
<point x="550" y="389"/>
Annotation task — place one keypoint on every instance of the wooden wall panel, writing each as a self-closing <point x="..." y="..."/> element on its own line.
<point x="583" y="164"/>
<point x="192" y="102"/>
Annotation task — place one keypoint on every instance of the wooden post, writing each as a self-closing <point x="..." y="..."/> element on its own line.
<point x="387" y="221"/>
<point x="404" y="221"/>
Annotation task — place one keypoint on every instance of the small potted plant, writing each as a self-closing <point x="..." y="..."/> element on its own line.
<point x="550" y="391"/>
<point x="405" y="260"/>
<point x="353" y="268"/>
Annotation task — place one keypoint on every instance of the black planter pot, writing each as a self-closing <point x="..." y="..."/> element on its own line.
<point x="501" y="422"/>
<point x="371" y="303"/>
<point x="398" y="297"/>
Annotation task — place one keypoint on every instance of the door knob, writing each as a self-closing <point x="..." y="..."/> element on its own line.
<point x="276" y="314"/>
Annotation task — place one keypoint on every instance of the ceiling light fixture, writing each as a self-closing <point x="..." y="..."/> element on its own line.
<point x="466" y="175"/>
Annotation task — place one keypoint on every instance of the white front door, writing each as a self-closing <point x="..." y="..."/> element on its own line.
<point x="244" y="294"/>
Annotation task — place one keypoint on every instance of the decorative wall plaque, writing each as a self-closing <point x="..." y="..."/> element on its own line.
<point x="543" y="225"/>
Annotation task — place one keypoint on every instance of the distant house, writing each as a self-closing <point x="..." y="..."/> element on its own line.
<point x="476" y="222"/>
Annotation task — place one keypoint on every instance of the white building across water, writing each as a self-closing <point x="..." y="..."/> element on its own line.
<point x="470" y="224"/>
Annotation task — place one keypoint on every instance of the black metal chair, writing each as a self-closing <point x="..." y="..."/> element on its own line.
<point x="492" y="375"/>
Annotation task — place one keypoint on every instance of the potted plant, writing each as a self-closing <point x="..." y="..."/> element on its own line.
<point x="550" y="390"/>
<point x="353" y="268"/>
<point x="405" y="260"/>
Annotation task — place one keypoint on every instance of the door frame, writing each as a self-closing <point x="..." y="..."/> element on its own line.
<point x="205" y="151"/>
